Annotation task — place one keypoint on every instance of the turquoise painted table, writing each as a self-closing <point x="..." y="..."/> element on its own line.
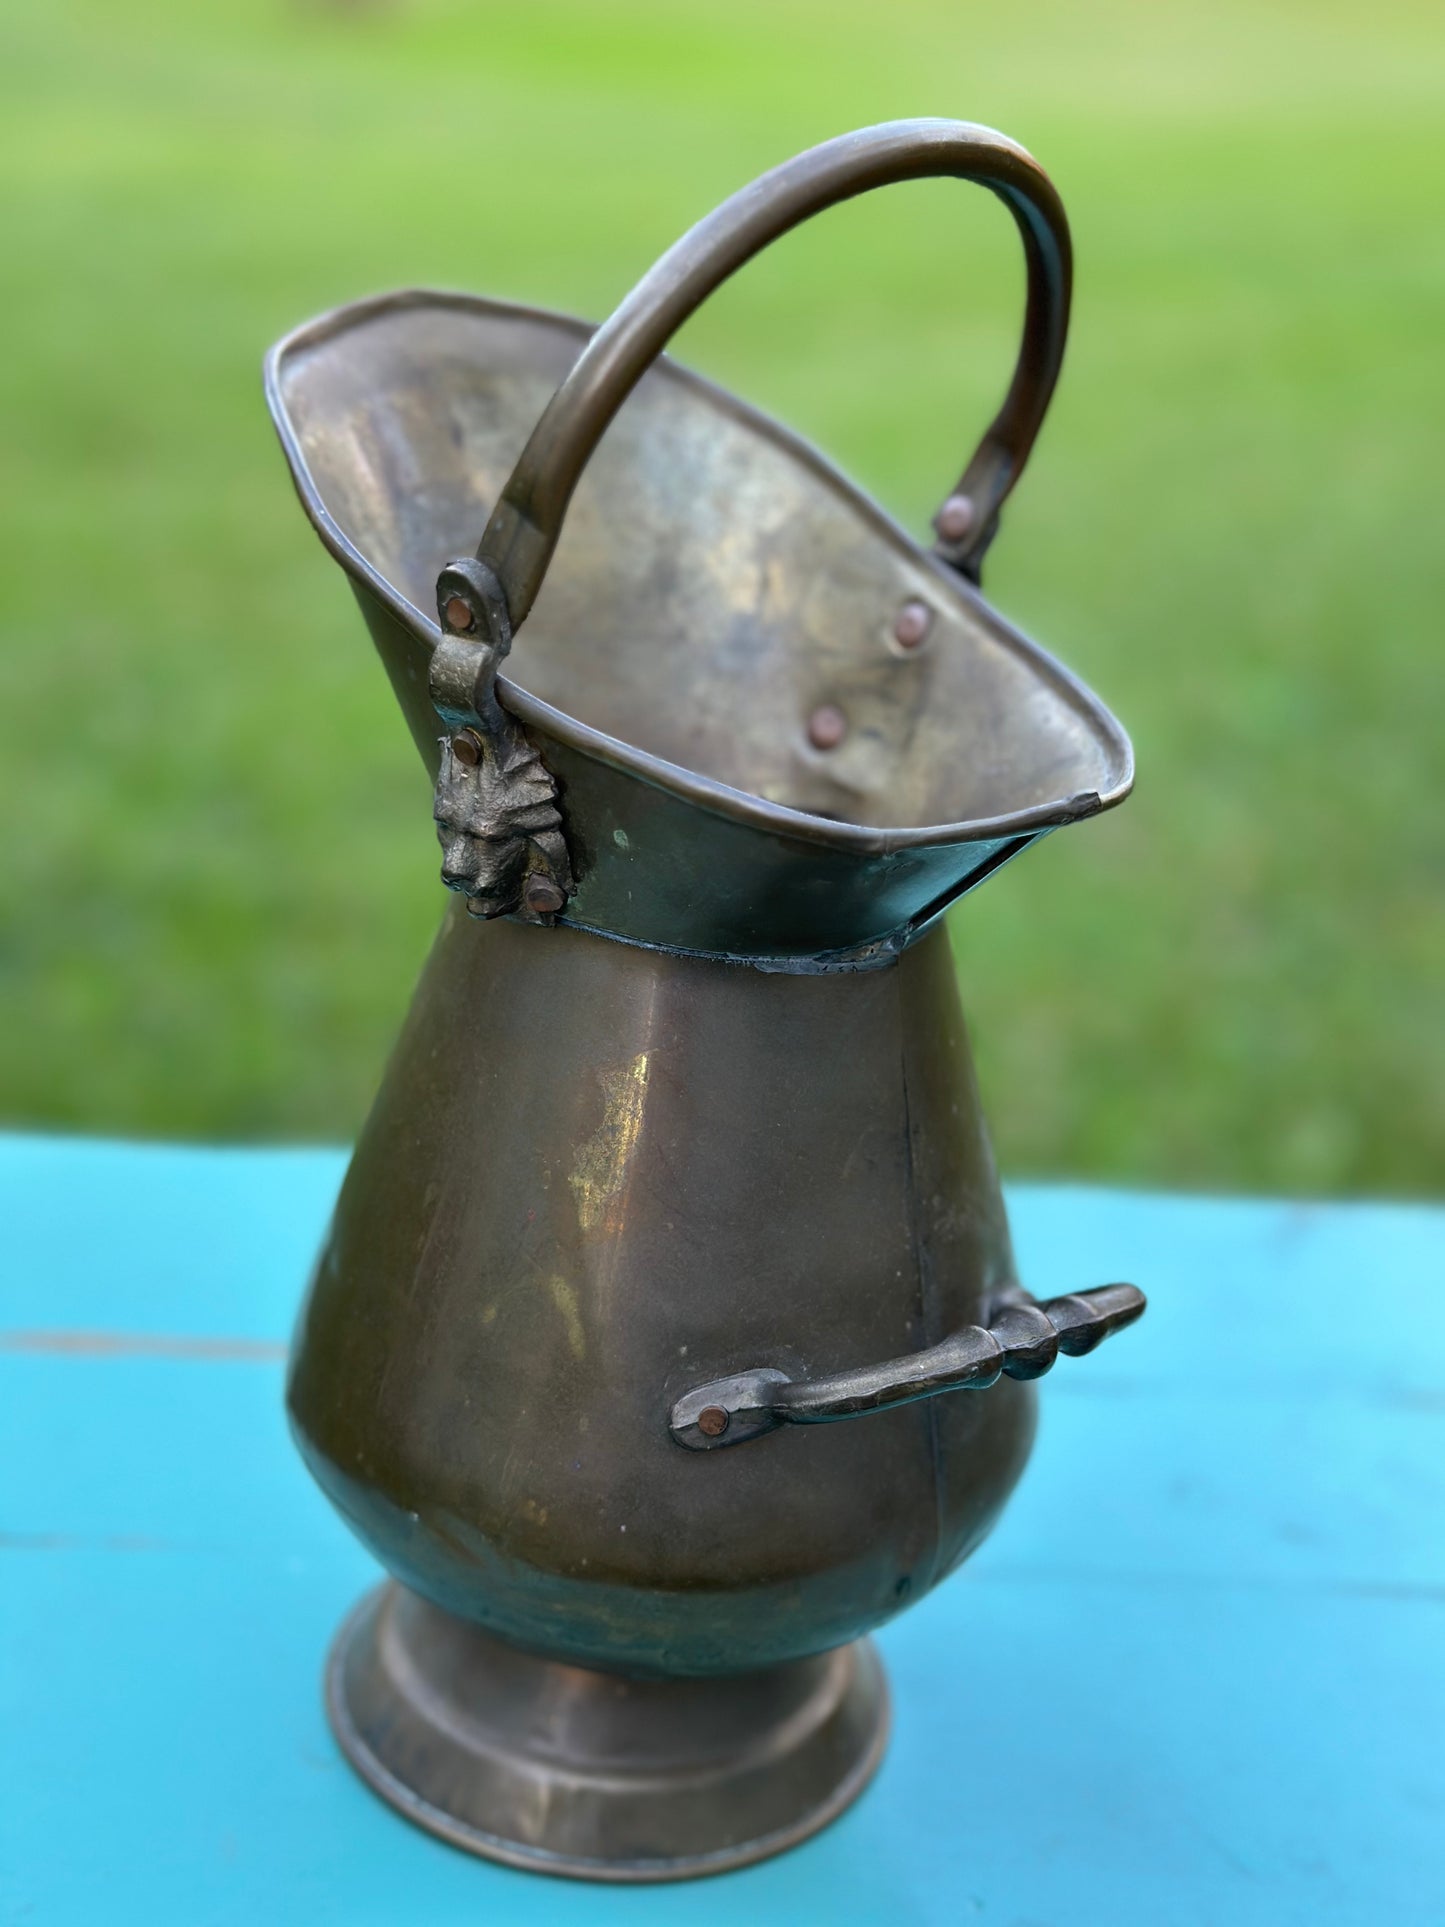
<point x="1222" y="1585"/>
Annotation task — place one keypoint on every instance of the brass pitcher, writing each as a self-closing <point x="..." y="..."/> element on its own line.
<point x="679" y="1159"/>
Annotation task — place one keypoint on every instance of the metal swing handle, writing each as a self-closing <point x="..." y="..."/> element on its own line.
<point x="1022" y="1340"/>
<point x="518" y="541"/>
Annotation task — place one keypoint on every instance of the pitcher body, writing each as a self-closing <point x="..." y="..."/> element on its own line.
<point x="596" y="1174"/>
<point x="667" y="1336"/>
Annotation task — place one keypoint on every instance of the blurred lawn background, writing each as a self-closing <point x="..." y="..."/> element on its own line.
<point x="221" y="876"/>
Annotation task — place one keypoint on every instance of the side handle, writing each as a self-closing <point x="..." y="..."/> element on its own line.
<point x="1021" y="1340"/>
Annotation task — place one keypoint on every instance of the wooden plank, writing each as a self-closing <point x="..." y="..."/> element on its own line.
<point x="1222" y="1584"/>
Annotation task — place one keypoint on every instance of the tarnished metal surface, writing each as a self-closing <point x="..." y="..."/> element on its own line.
<point x="763" y="739"/>
<point x="674" y="659"/>
<point x="596" y="1175"/>
<point x="662" y="1777"/>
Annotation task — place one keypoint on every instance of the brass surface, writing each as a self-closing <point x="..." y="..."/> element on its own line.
<point x="596" y="1175"/>
<point x="715" y="580"/>
<point x="558" y="1770"/>
<point x="761" y="739"/>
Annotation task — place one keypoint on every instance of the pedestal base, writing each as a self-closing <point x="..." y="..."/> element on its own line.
<point x="593" y="1775"/>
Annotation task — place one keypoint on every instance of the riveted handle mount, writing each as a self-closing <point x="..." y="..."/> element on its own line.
<point x="1021" y="1340"/>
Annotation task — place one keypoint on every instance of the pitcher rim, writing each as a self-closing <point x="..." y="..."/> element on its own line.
<point x="705" y="792"/>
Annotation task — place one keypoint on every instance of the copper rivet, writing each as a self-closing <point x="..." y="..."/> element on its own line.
<point x="543" y="897"/>
<point x="458" y="613"/>
<point x="955" y="518"/>
<point x="827" y="726"/>
<point x="467" y="749"/>
<point x="912" y="624"/>
<point x="712" y="1421"/>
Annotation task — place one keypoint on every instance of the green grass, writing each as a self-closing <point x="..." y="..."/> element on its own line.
<point x="221" y="875"/>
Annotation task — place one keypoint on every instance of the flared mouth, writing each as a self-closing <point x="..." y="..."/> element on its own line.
<point x="727" y="618"/>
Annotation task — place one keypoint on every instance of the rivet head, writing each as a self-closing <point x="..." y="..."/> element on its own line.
<point x="467" y="748"/>
<point x="542" y="896"/>
<point x="955" y="518"/>
<point x="827" y="726"/>
<point x="712" y="1421"/>
<point x="912" y="624"/>
<point x="458" y="613"/>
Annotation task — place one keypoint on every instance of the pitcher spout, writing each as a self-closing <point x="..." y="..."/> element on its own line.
<point x="772" y="725"/>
